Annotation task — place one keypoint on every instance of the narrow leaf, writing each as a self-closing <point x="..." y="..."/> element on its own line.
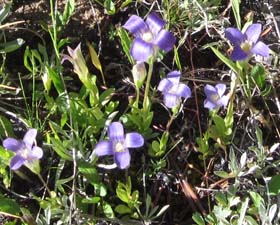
<point x="225" y="60"/>
<point x="236" y="13"/>
<point x="95" y="60"/>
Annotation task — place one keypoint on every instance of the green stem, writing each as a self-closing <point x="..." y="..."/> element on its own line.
<point x="147" y="88"/>
<point x="137" y="97"/>
<point x="44" y="183"/>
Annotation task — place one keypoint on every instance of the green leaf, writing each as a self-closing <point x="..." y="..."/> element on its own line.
<point x="9" y="206"/>
<point x="155" y="146"/>
<point x="95" y="60"/>
<point x="203" y="146"/>
<point x="274" y="185"/>
<point x="236" y="12"/>
<point x="90" y="173"/>
<point x="256" y="198"/>
<point x="258" y="75"/>
<point x="243" y="211"/>
<point x="135" y="196"/>
<point x="177" y="59"/>
<point x="110" y="7"/>
<point x="125" y="3"/>
<point x="162" y="210"/>
<point x="11" y="46"/>
<point x="100" y="189"/>
<point x="221" y="199"/>
<point x="125" y="42"/>
<point x="223" y="174"/>
<point x="60" y="149"/>
<point x="107" y="210"/>
<point x="122" y="209"/>
<point x="122" y="195"/>
<point x="68" y="11"/>
<point x="198" y="218"/>
<point x="251" y="221"/>
<point x="4" y="12"/>
<point x="225" y="60"/>
<point x="106" y="96"/>
<point x="6" y="128"/>
<point x="92" y="200"/>
<point x="55" y="79"/>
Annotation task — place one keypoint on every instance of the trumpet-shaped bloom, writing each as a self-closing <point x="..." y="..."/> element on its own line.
<point x="215" y="96"/>
<point x="149" y="36"/>
<point x="173" y="89"/>
<point x="77" y="59"/>
<point x="247" y="44"/>
<point x="25" y="149"/>
<point x="118" y="144"/>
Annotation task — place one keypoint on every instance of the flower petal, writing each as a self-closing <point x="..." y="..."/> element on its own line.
<point x="183" y="91"/>
<point x="66" y="57"/>
<point x="36" y="153"/>
<point x="13" y="144"/>
<point x="155" y="23"/>
<point x="135" y="25"/>
<point x="170" y="100"/>
<point x="165" y="40"/>
<point x="29" y="138"/>
<point x="164" y="85"/>
<point x="104" y="148"/>
<point x="209" y="90"/>
<point x="16" y="162"/>
<point x="223" y="101"/>
<point x="209" y="105"/>
<point x="122" y="159"/>
<point x="70" y="51"/>
<point x="238" y="54"/>
<point x="141" y="50"/>
<point x="174" y="76"/>
<point x="116" y="132"/>
<point x="133" y="140"/>
<point x="253" y="32"/>
<point x="221" y="88"/>
<point x="234" y="36"/>
<point x="260" y="48"/>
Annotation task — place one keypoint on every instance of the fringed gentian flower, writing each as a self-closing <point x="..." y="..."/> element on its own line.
<point x="173" y="89"/>
<point x="215" y="96"/>
<point x="247" y="44"/>
<point x="118" y="144"/>
<point x="26" y="151"/>
<point x="149" y="36"/>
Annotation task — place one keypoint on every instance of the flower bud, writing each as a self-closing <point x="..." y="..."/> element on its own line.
<point x="139" y="73"/>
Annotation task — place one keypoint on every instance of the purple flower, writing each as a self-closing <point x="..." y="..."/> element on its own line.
<point x="173" y="89"/>
<point x="118" y="144"/>
<point x="247" y="44"/>
<point x="215" y="96"/>
<point x="25" y="149"/>
<point x="149" y="36"/>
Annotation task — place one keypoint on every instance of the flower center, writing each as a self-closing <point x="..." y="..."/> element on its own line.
<point x="147" y="36"/>
<point x="174" y="89"/>
<point x="214" y="97"/>
<point x="119" y="147"/>
<point x="24" y="153"/>
<point x="246" y="46"/>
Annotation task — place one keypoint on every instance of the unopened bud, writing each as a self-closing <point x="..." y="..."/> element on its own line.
<point x="139" y="73"/>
